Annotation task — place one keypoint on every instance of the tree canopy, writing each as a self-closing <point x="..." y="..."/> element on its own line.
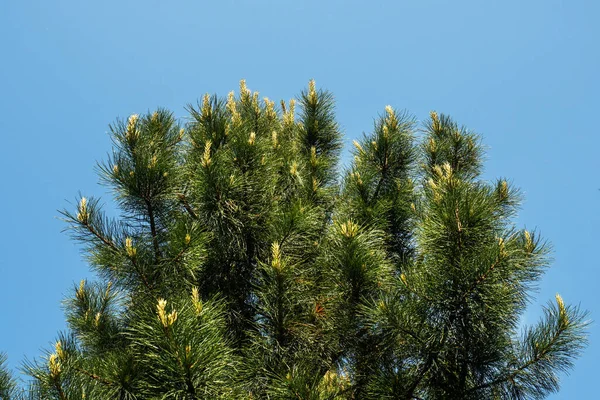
<point x="246" y="264"/>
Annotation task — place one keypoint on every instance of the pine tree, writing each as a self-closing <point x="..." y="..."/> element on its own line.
<point x="244" y="265"/>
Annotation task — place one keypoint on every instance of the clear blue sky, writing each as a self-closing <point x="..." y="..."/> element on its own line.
<point x="522" y="73"/>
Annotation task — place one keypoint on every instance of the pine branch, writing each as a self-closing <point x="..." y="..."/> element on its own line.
<point x="550" y="346"/>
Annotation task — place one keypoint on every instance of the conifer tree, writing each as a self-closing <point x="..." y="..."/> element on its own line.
<point x="245" y="266"/>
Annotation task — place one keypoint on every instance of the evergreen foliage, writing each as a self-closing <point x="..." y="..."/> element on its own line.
<point x="244" y="266"/>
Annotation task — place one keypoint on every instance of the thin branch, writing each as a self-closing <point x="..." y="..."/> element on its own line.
<point x="482" y="277"/>
<point x="98" y="235"/>
<point x="511" y="376"/>
<point x="384" y="170"/>
<point x="155" y="244"/>
<point x="95" y="377"/>
<point x="187" y="206"/>
<point x="421" y="375"/>
<point x="428" y="364"/>
<point x="111" y="244"/>
<point x="141" y="274"/>
<point x="59" y="389"/>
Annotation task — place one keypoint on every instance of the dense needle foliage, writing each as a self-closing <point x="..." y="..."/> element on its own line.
<point x="244" y="266"/>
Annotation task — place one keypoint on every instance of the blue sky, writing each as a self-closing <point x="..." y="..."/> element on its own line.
<point x="521" y="73"/>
